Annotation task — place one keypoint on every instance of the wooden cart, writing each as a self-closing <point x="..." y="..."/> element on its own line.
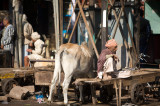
<point x="136" y="83"/>
<point x="11" y="76"/>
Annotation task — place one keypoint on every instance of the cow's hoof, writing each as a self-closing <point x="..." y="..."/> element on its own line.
<point x="49" y="102"/>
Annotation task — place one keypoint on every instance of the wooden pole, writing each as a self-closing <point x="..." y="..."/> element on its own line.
<point x="61" y="19"/>
<point x="87" y="26"/>
<point x="116" y="89"/>
<point x="104" y="23"/>
<point x="74" y="27"/>
<point x="91" y="22"/>
<point x="137" y="26"/>
<point x="124" y="39"/>
<point x="56" y="22"/>
<point x="93" y="93"/>
<point x="129" y="30"/>
<point x="117" y="22"/>
<point x="120" y="90"/>
<point x="74" y="7"/>
<point x="20" y="39"/>
<point x="15" y="43"/>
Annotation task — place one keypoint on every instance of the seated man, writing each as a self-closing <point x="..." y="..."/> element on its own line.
<point x="39" y="51"/>
<point x="106" y="61"/>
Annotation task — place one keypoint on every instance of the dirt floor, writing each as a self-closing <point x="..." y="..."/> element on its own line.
<point x="151" y="102"/>
<point x="72" y="102"/>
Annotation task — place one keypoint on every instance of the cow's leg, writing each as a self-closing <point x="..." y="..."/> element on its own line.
<point x="81" y="93"/>
<point x="53" y="84"/>
<point x="65" y="88"/>
<point x="57" y="71"/>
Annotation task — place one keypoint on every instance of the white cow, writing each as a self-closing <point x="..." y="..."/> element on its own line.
<point x="73" y="60"/>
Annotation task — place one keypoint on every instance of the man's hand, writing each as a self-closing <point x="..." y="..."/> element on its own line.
<point x="29" y="50"/>
<point x="115" y="57"/>
<point x="2" y="46"/>
<point x="31" y="44"/>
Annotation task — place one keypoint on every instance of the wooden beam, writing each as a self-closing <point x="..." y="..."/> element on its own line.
<point x="61" y="19"/>
<point x="74" y="7"/>
<point x="75" y="24"/>
<point x="137" y="26"/>
<point x="117" y="22"/>
<point x="87" y="26"/>
<point x="122" y="33"/>
<point x="91" y="22"/>
<point x="129" y="30"/>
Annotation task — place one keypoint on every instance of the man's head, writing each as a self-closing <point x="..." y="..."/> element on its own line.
<point x="6" y="21"/>
<point x="35" y="36"/>
<point x="112" y="45"/>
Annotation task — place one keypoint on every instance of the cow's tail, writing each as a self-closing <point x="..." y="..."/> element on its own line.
<point x="57" y="73"/>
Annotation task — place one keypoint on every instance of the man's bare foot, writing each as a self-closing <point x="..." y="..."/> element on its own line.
<point x="106" y="77"/>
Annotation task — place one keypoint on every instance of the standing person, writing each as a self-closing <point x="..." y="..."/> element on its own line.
<point x="39" y="51"/>
<point x="7" y="40"/>
<point x="27" y="32"/>
<point x="106" y="61"/>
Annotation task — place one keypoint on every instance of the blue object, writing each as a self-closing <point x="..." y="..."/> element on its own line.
<point x="39" y="96"/>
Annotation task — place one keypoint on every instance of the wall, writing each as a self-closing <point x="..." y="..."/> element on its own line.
<point x="152" y="13"/>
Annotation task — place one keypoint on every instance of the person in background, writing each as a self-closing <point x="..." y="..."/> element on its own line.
<point x="106" y="62"/>
<point x="1" y="29"/>
<point x="39" y="51"/>
<point x="1" y="26"/>
<point x="7" y="40"/>
<point x="27" y="32"/>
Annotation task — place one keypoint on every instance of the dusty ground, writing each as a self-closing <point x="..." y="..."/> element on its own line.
<point x="32" y="102"/>
<point x="73" y="103"/>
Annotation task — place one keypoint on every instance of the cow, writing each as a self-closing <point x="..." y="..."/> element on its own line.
<point x="75" y="60"/>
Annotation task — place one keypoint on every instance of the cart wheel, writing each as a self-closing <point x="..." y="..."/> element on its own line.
<point x="137" y="93"/>
<point x="7" y="85"/>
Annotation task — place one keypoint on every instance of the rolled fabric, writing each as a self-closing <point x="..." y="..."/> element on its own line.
<point x="111" y="43"/>
<point x="35" y="36"/>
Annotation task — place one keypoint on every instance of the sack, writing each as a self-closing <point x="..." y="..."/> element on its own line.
<point x="124" y="74"/>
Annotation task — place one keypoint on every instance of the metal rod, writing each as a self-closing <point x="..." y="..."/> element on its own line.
<point x="87" y="26"/>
